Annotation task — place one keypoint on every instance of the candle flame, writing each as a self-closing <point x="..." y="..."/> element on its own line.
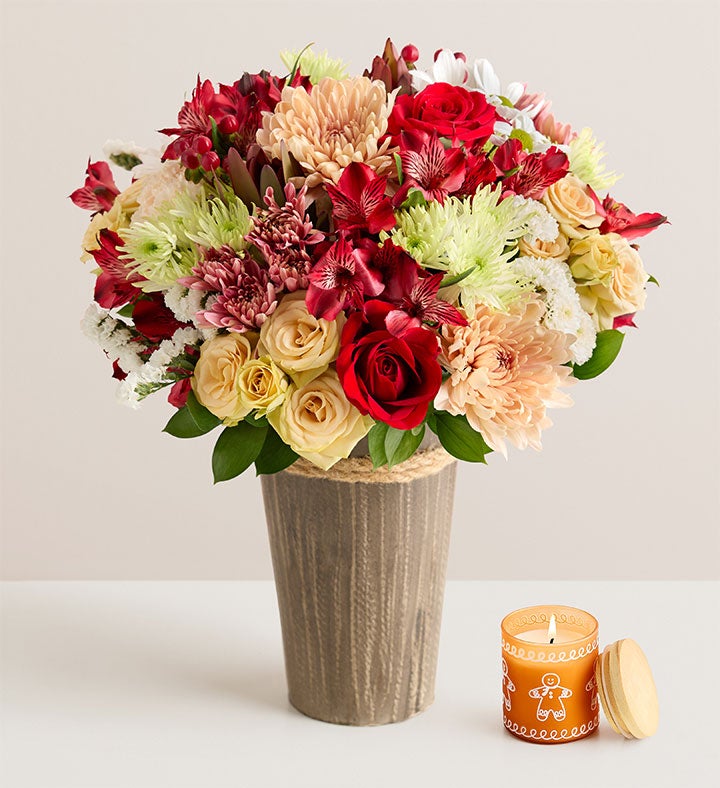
<point x="552" y="629"/>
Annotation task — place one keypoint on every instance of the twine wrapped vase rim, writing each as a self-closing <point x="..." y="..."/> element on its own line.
<point x="360" y="469"/>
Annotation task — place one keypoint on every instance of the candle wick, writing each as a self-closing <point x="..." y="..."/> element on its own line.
<point x="552" y="640"/>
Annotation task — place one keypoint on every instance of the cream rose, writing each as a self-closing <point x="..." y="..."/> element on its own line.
<point x="300" y="344"/>
<point x="215" y="381"/>
<point x="117" y="218"/>
<point x="569" y="202"/>
<point x="559" y="249"/>
<point x="593" y="260"/>
<point x="624" y="294"/>
<point x="262" y="386"/>
<point x="318" y="422"/>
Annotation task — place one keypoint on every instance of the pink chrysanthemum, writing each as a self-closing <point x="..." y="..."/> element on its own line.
<point x="245" y="295"/>
<point x="283" y="234"/>
<point x="506" y="369"/>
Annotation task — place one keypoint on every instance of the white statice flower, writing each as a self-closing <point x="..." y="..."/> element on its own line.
<point x="113" y="337"/>
<point x="130" y="390"/>
<point x="170" y="349"/>
<point x="541" y="225"/>
<point x="552" y="280"/>
<point x="185" y="304"/>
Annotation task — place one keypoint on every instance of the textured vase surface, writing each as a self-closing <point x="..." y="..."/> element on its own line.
<point x="360" y="576"/>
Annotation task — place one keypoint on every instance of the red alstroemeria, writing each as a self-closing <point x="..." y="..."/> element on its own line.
<point x="529" y="174"/>
<point x="194" y="145"/>
<point x="99" y="191"/>
<point x="399" y="271"/>
<point x="429" y="166"/>
<point x="447" y="110"/>
<point x="480" y="171"/>
<point x="624" y="320"/>
<point x="114" y="286"/>
<point x="422" y="305"/>
<point x="359" y="201"/>
<point x="621" y="220"/>
<point x="178" y="394"/>
<point x="341" y="279"/>
<point x="153" y="319"/>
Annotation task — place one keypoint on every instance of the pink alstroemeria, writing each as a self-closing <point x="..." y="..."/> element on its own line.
<point x="625" y="320"/>
<point x="422" y="305"/>
<point x="114" y="286"/>
<point x="618" y="218"/>
<point x="428" y="166"/>
<point x="341" y="279"/>
<point x="359" y="201"/>
<point x="99" y="191"/>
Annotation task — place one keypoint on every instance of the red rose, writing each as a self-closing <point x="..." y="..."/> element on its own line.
<point x="391" y="377"/>
<point x="447" y="110"/>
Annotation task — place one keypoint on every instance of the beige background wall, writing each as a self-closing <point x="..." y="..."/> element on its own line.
<point x="627" y="485"/>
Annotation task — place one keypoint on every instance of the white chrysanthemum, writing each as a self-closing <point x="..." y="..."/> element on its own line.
<point x="552" y="280"/>
<point x="481" y="76"/>
<point x="151" y="249"/>
<point x="446" y="68"/>
<point x="585" y="155"/>
<point x="475" y="238"/>
<point x="161" y="186"/>
<point x="541" y="225"/>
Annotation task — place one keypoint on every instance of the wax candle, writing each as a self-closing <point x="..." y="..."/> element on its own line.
<point x="549" y="690"/>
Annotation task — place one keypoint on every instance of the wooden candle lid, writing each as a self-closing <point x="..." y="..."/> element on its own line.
<point x="627" y="690"/>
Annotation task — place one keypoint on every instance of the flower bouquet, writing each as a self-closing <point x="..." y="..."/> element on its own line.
<point x="317" y="259"/>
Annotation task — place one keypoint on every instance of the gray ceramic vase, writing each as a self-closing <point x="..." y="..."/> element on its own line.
<point x="360" y="576"/>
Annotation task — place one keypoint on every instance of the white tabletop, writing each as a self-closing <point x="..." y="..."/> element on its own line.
<point x="180" y="685"/>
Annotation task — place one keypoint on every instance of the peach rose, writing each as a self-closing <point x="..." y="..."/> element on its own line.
<point x="624" y="294"/>
<point x="300" y="344"/>
<point x="558" y="249"/>
<point x="262" y="386"/>
<point x="215" y="381"/>
<point x="318" y="422"/>
<point x="593" y="260"/>
<point x="569" y="201"/>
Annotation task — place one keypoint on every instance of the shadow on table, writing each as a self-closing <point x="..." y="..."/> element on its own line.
<point x="108" y="647"/>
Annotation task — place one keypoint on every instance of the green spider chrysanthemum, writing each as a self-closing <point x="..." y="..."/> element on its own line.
<point x="475" y="237"/>
<point x="585" y="157"/>
<point x="315" y="65"/>
<point x="214" y="223"/>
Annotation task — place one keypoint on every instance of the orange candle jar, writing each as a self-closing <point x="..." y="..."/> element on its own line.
<point x="549" y="690"/>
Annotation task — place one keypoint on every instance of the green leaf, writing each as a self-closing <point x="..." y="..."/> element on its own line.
<point x="202" y="417"/>
<point x="236" y="450"/>
<point x="453" y="280"/>
<point x="459" y="438"/>
<point x="242" y="182"/>
<point x="215" y="134"/>
<point x="398" y="167"/>
<point x="253" y="421"/>
<point x="275" y="454"/>
<point x="525" y="139"/>
<point x="607" y="347"/>
<point x="414" y="197"/>
<point x="653" y="280"/>
<point x="126" y="311"/>
<point x="182" y="425"/>
<point x="401" y="444"/>
<point x="269" y="178"/>
<point x="376" y="443"/>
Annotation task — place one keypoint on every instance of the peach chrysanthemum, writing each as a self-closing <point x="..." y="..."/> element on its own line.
<point x="336" y="123"/>
<point x="506" y="369"/>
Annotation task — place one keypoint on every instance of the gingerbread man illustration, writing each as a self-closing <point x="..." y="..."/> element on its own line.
<point x="591" y="687"/>
<point x="507" y="685"/>
<point x="551" y="696"/>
